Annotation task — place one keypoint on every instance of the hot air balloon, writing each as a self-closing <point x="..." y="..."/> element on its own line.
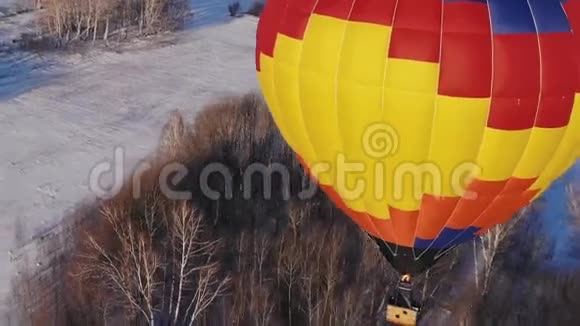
<point x="427" y="122"/>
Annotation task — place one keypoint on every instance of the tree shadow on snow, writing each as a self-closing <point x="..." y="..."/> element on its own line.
<point x="22" y="71"/>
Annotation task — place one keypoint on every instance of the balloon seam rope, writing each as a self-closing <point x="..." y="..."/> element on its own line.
<point x="415" y="257"/>
<point x="440" y="254"/>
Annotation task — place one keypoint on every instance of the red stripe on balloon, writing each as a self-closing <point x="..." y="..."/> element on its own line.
<point x="268" y="27"/>
<point x="466" y="50"/>
<point x="572" y="9"/>
<point x="369" y="11"/>
<point x="374" y="11"/>
<point x="434" y="213"/>
<point x="558" y="80"/>
<point x="296" y="19"/>
<point x="516" y="82"/>
<point x="334" y="8"/>
<point x="417" y="30"/>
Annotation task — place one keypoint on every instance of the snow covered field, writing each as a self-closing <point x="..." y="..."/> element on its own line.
<point x="208" y="12"/>
<point x="60" y="117"/>
<point x="10" y="7"/>
<point x="7" y="3"/>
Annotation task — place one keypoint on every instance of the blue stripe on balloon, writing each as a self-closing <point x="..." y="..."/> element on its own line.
<point x="511" y="17"/>
<point x="448" y="238"/>
<point x="524" y="16"/>
<point x="481" y="1"/>
<point x="549" y="16"/>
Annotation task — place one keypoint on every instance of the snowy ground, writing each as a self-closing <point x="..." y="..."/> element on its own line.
<point x="61" y="117"/>
<point x="11" y="7"/>
<point x="12" y="27"/>
<point x="207" y="12"/>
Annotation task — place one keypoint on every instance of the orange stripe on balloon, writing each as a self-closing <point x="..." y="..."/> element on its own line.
<point x="503" y="208"/>
<point x="466" y="50"/>
<point x="386" y="229"/>
<point x="502" y="204"/>
<point x="417" y="30"/>
<point x="433" y="214"/>
<point x="485" y="202"/>
<point x="484" y="188"/>
<point x="479" y="194"/>
<point x="467" y="211"/>
<point x="404" y="224"/>
<point x="518" y="185"/>
<point x="482" y="196"/>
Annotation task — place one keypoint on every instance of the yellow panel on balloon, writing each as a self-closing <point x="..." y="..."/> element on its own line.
<point x="288" y="50"/>
<point x="317" y="90"/>
<point x="561" y="160"/>
<point x="458" y="128"/>
<point x="266" y="78"/>
<point x="364" y="54"/>
<point x="360" y="91"/>
<point x="411" y="75"/>
<point x="286" y="81"/>
<point x="322" y="44"/>
<point x="500" y="153"/>
<point x="541" y="146"/>
<point x="409" y="101"/>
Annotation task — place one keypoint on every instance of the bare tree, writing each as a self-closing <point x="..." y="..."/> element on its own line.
<point x="75" y="20"/>
<point x="289" y="263"/>
<point x="573" y="200"/>
<point x="488" y="245"/>
<point x="209" y="286"/>
<point x="129" y="272"/>
<point x="194" y="265"/>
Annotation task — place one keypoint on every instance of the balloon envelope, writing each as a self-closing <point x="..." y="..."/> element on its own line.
<point x="428" y="122"/>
